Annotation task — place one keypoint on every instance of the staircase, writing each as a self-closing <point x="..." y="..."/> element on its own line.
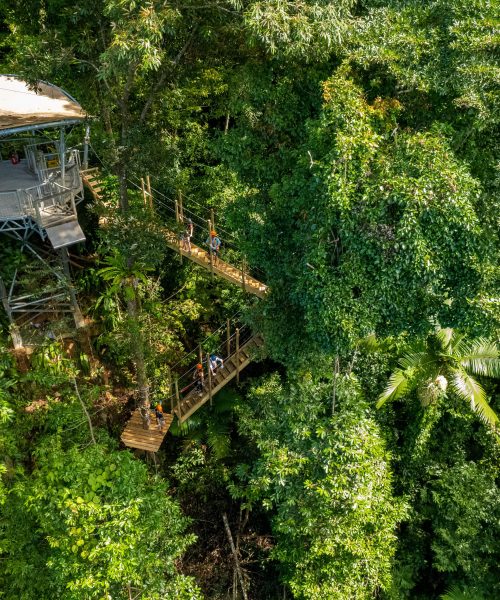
<point x="232" y="367"/>
<point x="91" y="179"/>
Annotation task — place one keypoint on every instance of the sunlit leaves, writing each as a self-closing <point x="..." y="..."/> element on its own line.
<point x="101" y="525"/>
<point x="304" y="28"/>
<point x="447" y="358"/>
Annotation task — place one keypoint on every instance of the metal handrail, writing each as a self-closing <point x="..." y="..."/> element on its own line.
<point x="52" y="192"/>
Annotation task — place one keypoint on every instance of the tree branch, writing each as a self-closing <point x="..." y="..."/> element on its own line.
<point x="84" y="408"/>
<point x="235" y="555"/>
<point x="163" y="76"/>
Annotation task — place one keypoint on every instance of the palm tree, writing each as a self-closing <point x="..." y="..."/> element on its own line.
<point x="124" y="274"/>
<point x="446" y="359"/>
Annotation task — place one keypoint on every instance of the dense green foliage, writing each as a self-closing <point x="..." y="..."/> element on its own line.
<point x="350" y="151"/>
<point x="328" y="478"/>
<point x="100" y="528"/>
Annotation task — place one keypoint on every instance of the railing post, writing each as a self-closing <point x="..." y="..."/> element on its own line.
<point x="86" y="142"/>
<point x="148" y="183"/>
<point x="237" y="356"/>
<point x="228" y="339"/>
<point x="209" y="379"/>
<point x="177" y="220"/>
<point x="177" y="396"/>
<point x="22" y="207"/>
<point x="143" y="191"/>
<point x="243" y="276"/>
<point x="36" y="206"/>
<point x="73" y="205"/>
<point x="181" y="208"/>
<point x="210" y="247"/>
<point x="62" y="153"/>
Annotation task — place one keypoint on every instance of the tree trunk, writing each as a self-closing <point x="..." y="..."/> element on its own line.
<point x="137" y="344"/>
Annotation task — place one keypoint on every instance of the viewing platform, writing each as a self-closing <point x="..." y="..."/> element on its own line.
<point x="42" y="198"/>
<point x="40" y="188"/>
<point x="40" y="182"/>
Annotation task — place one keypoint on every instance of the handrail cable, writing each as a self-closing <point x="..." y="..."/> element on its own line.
<point x="229" y="239"/>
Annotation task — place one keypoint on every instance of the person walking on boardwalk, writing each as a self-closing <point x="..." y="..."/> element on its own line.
<point x="187" y="235"/>
<point x="214" y="362"/>
<point x="199" y="378"/>
<point x="160" y="418"/>
<point x="213" y="242"/>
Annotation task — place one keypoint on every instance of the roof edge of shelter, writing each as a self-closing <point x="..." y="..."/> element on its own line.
<point x="24" y="108"/>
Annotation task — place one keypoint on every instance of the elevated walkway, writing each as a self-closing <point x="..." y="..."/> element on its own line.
<point x="135" y="435"/>
<point x="222" y="269"/>
<point x="239" y="276"/>
<point x="232" y="367"/>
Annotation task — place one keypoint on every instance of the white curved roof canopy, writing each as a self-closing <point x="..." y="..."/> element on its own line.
<point x="23" y="108"/>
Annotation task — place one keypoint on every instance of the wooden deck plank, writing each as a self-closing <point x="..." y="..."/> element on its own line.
<point x="223" y="269"/>
<point x="135" y="436"/>
<point x="91" y="179"/>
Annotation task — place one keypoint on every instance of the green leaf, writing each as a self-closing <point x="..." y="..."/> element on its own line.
<point x="399" y="383"/>
<point x="467" y="388"/>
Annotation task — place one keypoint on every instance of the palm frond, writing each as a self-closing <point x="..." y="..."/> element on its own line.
<point x="467" y="388"/>
<point x="370" y="343"/>
<point x="189" y="429"/>
<point x="399" y="383"/>
<point x="413" y="360"/>
<point x="480" y="357"/>
<point x="445" y="336"/>
<point x="219" y="439"/>
<point x="455" y="593"/>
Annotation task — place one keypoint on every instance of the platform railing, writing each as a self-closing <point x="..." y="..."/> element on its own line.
<point x="71" y="178"/>
<point x="48" y="202"/>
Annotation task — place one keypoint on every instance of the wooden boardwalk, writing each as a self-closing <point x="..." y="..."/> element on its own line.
<point x="135" y="436"/>
<point x="232" y="367"/>
<point x="91" y="179"/>
<point x="222" y="269"/>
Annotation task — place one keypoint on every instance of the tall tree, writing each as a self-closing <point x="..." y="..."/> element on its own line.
<point x="91" y="524"/>
<point x="327" y="481"/>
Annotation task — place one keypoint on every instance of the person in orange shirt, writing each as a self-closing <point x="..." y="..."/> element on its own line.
<point x="199" y="379"/>
<point x="160" y="418"/>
